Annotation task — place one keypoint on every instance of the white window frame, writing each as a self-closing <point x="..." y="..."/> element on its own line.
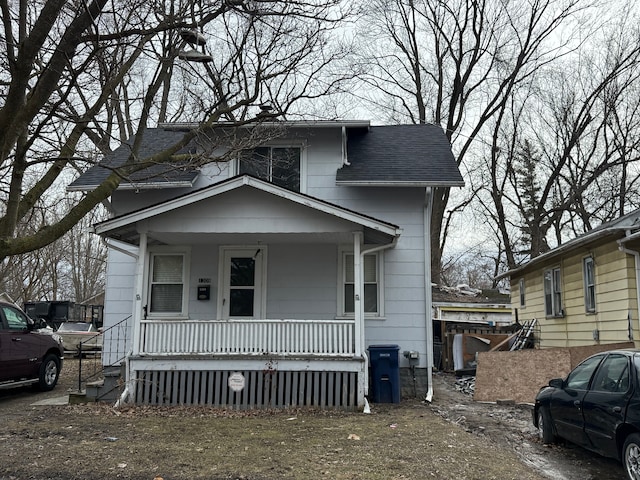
<point x="521" y="292"/>
<point x="185" y="252"/>
<point x="342" y="255"/>
<point x="589" y="265"/>
<point x="285" y="144"/>
<point x="555" y="308"/>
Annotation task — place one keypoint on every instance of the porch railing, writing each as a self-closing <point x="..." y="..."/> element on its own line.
<point x="329" y="338"/>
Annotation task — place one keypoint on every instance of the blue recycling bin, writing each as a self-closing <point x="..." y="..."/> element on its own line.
<point x="385" y="373"/>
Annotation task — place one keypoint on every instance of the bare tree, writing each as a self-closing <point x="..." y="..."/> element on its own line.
<point x="457" y="64"/>
<point x="562" y="155"/>
<point x="75" y="76"/>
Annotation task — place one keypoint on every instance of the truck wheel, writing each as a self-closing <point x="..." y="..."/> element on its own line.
<point x="49" y="372"/>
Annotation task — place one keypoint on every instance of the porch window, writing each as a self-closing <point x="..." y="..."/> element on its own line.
<point x="588" y="271"/>
<point x="278" y="165"/>
<point x="167" y="286"/>
<point x="552" y="293"/>
<point x="371" y="284"/>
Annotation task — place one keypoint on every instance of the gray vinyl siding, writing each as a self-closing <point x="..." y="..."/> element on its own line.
<point x="119" y="288"/>
<point x="308" y="270"/>
<point x="301" y="281"/>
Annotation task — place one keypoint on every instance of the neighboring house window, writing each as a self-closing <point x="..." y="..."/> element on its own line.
<point x="588" y="269"/>
<point x="278" y="165"/>
<point x="167" y="295"/>
<point x="371" y="284"/>
<point x="552" y="293"/>
<point x="522" y="298"/>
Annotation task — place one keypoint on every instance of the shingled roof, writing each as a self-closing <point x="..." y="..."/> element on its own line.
<point x="154" y="140"/>
<point x="400" y="155"/>
<point x="403" y="155"/>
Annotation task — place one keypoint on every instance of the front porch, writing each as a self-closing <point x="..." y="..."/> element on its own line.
<point x="249" y="295"/>
<point x="248" y="363"/>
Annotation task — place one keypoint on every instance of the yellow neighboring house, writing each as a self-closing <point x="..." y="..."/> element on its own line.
<point x="584" y="292"/>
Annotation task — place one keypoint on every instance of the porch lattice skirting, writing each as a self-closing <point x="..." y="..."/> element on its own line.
<point x="263" y="388"/>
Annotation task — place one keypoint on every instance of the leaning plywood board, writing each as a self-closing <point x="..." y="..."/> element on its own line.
<point x="518" y="375"/>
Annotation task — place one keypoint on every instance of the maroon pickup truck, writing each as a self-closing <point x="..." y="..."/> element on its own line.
<point x="27" y="356"/>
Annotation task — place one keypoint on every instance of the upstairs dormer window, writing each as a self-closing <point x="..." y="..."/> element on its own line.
<point x="278" y="165"/>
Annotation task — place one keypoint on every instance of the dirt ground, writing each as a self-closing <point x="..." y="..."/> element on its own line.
<point x="451" y="438"/>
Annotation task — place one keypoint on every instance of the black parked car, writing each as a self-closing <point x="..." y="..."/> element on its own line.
<point x="597" y="407"/>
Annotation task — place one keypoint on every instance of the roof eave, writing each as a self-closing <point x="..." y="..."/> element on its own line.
<point x="283" y="123"/>
<point x="396" y="183"/>
<point x="576" y="243"/>
<point x="135" y="186"/>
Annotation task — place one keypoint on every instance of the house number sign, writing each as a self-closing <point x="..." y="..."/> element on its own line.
<point x="236" y="381"/>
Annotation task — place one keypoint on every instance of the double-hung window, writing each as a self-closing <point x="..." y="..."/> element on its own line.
<point x="552" y="293"/>
<point x="278" y="165"/>
<point x="167" y="288"/>
<point x="588" y="271"/>
<point x="371" y="280"/>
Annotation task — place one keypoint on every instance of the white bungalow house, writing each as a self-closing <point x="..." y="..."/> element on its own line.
<point x="265" y="279"/>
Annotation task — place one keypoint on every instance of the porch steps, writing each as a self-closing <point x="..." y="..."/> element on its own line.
<point x="107" y="389"/>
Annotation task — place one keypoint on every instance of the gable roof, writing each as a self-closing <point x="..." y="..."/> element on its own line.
<point x="402" y="155"/>
<point x="626" y="226"/>
<point x="391" y="155"/>
<point x="123" y="227"/>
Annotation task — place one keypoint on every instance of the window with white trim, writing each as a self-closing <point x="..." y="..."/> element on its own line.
<point x="371" y="279"/>
<point x="167" y="284"/>
<point x="279" y="165"/>
<point x="552" y="293"/>
<point x="589" y="274"/>
<point x="521" y="291"/>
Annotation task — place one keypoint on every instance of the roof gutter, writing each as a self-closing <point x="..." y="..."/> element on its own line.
<point x="396" y="183"/>
<point x="136" y="187"/>
<point x="558" y="251"/>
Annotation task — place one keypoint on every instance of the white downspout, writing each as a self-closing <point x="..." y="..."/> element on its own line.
<point x="136" y="317"/>
<point x="636" y="256"/>
<point x="428" y="202"/>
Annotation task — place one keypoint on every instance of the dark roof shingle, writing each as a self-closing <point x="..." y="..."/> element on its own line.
<point x="154" y="140"/>
<point x="400" y="154"/>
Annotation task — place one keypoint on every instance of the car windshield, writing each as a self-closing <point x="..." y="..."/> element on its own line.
<point x="75" y="327"/>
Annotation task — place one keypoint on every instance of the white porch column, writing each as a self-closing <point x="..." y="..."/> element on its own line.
<point x="138" y="300"/>
<point x="358" y="314"/>
<point x="358" y="292"/>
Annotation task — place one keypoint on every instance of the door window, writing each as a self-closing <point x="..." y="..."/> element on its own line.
<point x="15" y="319"/>
<point x="581" y="375"/>
<point x="613" y="375"/>
<point x="242" y="283"/>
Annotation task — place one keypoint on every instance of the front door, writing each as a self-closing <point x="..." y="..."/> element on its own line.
<point x="243" y="282"/>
